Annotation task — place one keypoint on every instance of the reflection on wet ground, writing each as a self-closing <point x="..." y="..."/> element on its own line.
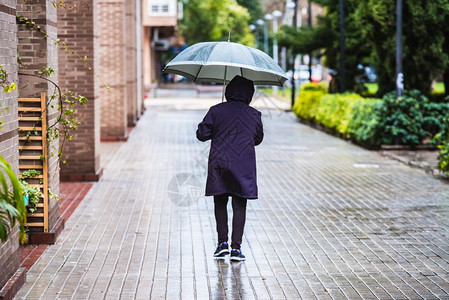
<point x="333" y="221"/>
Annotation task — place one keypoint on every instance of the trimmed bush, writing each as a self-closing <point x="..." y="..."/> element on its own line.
<point x="364" y="126"/>
<point x="443" y="163"/>
<point x="442" y="140"/>
<point x="307" y="104"/>
<point x="349" y="115"/>
<point x="407" y="120"/>
<point x="410" y="119"/>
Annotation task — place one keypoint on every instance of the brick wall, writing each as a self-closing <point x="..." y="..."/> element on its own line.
<point x="9" y="259"/>
<point x="112" y="53"/>
<point x="37" y="52"/>
<point x="78" y="30"/>
<point x="131" y="61"/>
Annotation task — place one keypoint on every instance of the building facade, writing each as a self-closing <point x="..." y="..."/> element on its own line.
<point x="107" y="52"/>
<point x="160" y="27"/>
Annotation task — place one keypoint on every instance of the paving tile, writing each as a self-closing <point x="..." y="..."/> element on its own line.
<point x="326" y="226"/>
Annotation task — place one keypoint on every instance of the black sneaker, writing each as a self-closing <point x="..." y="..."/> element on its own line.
<point x="236" y="255"/>
<point x="222" y="251"/>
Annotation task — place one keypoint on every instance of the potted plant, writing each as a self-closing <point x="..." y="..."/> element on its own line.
<point x="12" y="208"/>
<point x="31" y="194"/>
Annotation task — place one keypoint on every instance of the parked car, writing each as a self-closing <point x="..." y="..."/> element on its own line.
<point x="365" y="74"/>
<point x="302" y="74"/>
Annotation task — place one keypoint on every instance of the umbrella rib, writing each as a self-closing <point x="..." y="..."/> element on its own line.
<point x="197" y="73"/>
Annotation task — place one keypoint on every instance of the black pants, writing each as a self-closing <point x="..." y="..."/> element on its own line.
<point x="238" y="219"/>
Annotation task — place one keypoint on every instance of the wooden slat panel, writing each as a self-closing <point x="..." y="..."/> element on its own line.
<point x="30" y="157"/>
<point x="29" y="128"/>
<point x="35" y="177"/>
<point x="37" y="185"/>
<point x="40" y="224"/>
<point x="29" y="118"/>
<point x="30" y="167"/>
<point x="28" y="109"/>
<point x="45" y="162"/>
<point x="31" y="138"/>
<point x="36" y="215"/>
<point x="29" y="99"/>
<point x="43" y="148"/>
<point x="30" y="147"/>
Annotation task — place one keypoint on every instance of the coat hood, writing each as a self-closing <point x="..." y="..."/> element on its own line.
<point x="240" y="89"/>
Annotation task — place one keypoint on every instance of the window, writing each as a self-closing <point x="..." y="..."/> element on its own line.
<point x="162" y="8"/>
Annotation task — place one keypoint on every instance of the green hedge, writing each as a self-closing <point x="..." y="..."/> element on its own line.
<point x="349" y="115"/>
<point x="407" y="120"/>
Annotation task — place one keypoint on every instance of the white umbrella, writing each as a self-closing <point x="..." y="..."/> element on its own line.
<point x="221" y="61"/>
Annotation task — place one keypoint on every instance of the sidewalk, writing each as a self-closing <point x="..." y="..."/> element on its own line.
<point x="334" y="221"/>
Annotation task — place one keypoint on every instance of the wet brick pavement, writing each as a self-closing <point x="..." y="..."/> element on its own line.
<point x="333" y="221"/>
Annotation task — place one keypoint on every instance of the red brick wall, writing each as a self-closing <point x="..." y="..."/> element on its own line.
<point x="131" y="61"/>
<point x="37" y="52"/>
<point x="79" y="31"/>
<point x="113" y="68"/>
<point x="9" y="259"/>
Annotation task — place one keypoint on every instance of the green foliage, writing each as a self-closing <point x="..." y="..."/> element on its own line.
<point x="402" y="119"/>
<point x="30" y="173"/>
<point x="423" y="38"/>
<point x="336" y="110"/>
<point x="411" y="118"/>
<point x="33" y="192"/>
<point x="349" y="115"/>
<point x="305" y="39"/>
<point x="370" y="38"/>
<point x="307" y="103"/>
<point x="66" y="120"/>
<point x="364" y="122"/>
<point x="325" y="37"/>
<point x="372" y="88"/>
<point x="443" y="163"/>
<point x="210" y="20"/>
<point x="442" y="140"/>
<point x="12" y="207"/>
<point x="254" y="9"/>
<point x="407" y="120"/>
<point x="4" y="82"/>
<point x="438" y="88"/>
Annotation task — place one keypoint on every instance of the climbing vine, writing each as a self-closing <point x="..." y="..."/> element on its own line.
<point x="12" y="205"/>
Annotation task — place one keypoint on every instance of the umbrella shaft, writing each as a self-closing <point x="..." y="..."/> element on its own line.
<point x="224" y="83"/>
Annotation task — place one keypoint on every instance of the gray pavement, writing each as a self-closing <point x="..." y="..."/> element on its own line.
<point x="334" y="221"/>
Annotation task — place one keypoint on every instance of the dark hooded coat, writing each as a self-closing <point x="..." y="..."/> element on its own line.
<point x="234" y="128"/>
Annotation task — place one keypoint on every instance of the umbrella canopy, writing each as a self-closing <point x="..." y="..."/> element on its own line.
<point x="221" y="61"/>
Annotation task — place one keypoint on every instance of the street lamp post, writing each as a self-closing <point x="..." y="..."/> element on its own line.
<point x="259" y="22"/>
<point x="399" y="75"/>
<point x="309" y="24"/>
<point x="253" y="28"/>
<point x="276" y="14"/>
<point x="295" y="17"/>
<point x="342" y="47"/>
<point x="267" y="18"/>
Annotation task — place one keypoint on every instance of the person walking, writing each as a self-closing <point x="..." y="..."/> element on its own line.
<point x="235" y="128"/>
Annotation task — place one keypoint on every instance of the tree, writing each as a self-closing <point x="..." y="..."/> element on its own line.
<point x="325" y="37"/>
<point x="254" y="8"/>
<point x="210" y="20"/>
<point x="371" y="38"/>
<point x="423" y="39"/>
